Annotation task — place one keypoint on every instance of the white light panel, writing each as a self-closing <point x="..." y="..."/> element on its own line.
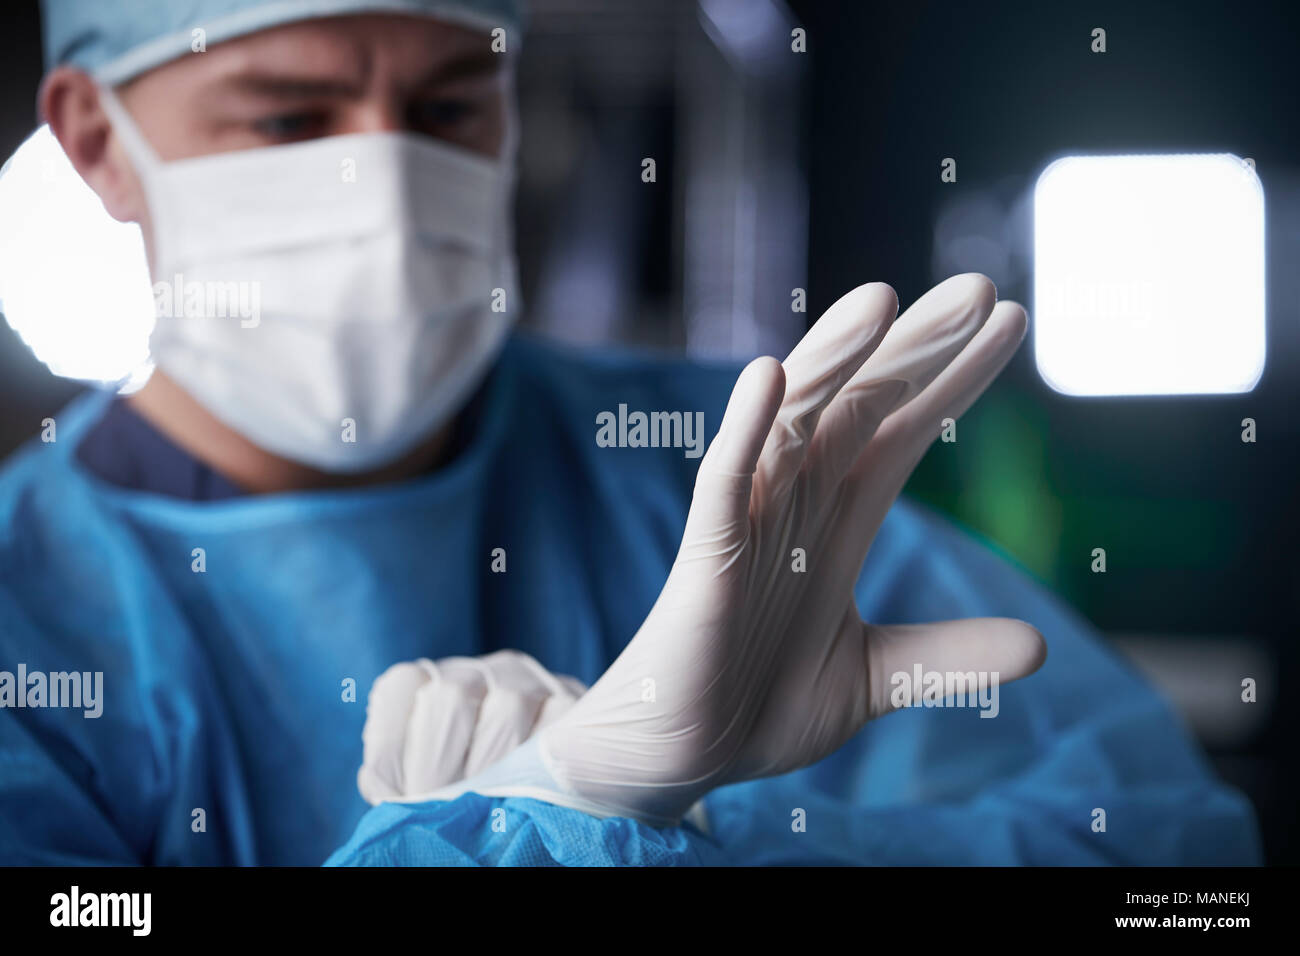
<point x="1149" y="275"/>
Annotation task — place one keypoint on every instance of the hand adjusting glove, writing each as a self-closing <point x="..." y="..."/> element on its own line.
<point x="433" y="723"/>
<point x="746" y="667"/>
<point x="436" y="729"/>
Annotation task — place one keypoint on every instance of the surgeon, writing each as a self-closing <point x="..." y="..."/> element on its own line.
<point x="364" y="544"/>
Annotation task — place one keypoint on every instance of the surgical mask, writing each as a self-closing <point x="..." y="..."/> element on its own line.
<point x="334" y="301"/>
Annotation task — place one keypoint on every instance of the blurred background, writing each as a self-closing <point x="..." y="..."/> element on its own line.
<point x="820" y="171"/>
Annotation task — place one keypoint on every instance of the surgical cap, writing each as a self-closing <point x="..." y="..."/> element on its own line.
<point x="120" y="40"/>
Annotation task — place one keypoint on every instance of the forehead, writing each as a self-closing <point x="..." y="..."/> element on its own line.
<point x="350" y="49"/>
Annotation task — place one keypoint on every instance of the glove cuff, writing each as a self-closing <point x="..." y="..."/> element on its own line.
<point x="526" y="772"/>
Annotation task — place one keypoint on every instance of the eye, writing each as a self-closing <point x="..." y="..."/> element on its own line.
<point x="433" y="114"/>
<point x="289" y="126"/>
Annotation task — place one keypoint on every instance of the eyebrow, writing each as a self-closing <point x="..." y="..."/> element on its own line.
<point x="468" y="65"/>
<point x="284" y="85"/>
<point x="289" y="86"/>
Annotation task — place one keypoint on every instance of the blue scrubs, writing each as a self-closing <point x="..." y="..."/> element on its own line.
<point x="126" y="450"/>
<point x="238" y="690"/>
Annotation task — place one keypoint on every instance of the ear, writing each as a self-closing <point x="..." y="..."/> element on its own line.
<point x="69" y="102"/>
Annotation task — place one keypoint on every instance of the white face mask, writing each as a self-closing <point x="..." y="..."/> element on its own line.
<point x="337" y="300"/>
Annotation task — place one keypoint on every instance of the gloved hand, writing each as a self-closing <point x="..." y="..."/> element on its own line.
<point x="433" y="723"/>
<point x="746" y="667"/>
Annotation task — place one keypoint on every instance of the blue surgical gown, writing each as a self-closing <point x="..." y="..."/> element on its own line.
<point x="235" y="677"/>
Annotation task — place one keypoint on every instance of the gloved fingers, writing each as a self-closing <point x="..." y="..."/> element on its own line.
<point x="718" y="521"/>
<point x="884" y="466"/>
<point x="754" y="402"/>
<point x="970" y="658"/>
<point x="553" y="708"/>
<point x="563" y="692"/>
<point x="388" y="711"/>
<point x="506" y="720"/>
<point x="818" y="367"/>
<point x="916" y="425"/>
<point x="558" y="704"/>
<point x="442" y="724"/>
<point x="518" y="689"/>
<point x="920" y="345"/>
<point x="430" y="724"/>
<point x="527" y="673"/>
<point x="571" y="685"/>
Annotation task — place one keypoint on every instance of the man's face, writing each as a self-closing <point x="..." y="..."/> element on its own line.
<point x="318" y="78"/>
<point x="301" y="81"/>
<point x="308" y="80"/>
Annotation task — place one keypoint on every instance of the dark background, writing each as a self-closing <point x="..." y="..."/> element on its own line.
<point x="821" y="171"/>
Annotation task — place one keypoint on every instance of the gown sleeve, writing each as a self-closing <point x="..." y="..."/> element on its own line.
<point x="50" y="814"/>
<point x="114" y="778"/>
<point x="52" y="811"/>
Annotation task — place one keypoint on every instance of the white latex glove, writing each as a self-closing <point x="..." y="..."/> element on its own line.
<point x="757" y="669"/>
<point x="745" y="667"/>
<point x="433" y="723"/>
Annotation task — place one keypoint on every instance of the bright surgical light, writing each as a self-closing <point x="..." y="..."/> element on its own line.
<point x="1149" y="275"/>
<point x="74" y="282"/>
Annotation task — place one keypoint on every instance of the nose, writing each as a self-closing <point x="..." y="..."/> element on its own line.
<point x="373" y="114"/>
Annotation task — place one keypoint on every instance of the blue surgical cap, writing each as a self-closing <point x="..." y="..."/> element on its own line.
<point x="115" y="41"/>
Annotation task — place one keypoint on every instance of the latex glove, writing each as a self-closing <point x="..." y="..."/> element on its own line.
<point x="745" y="667"/>
<point x="433" y="723"/>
